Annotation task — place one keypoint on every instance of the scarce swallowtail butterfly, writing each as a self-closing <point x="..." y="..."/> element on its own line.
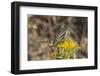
<point x="64" y="33"/>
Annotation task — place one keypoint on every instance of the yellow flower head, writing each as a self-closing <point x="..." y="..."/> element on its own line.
<point x="68" y="44"/>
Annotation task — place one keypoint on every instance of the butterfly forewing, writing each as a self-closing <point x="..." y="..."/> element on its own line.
<point x="63" y="34"/>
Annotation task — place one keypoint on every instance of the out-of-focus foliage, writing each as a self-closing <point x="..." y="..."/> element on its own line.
<point x="42" y="29"/>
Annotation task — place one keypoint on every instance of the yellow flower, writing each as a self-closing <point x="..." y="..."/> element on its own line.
<point x="68" y="44"/>
<point x="65" y="49"/>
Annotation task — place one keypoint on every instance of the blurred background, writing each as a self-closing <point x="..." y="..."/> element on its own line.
<point x="42" y="28"/>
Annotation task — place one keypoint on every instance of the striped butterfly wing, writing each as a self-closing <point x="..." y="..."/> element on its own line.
<point x="63" y="34"/>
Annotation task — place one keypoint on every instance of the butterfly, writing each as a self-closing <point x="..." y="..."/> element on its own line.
<point x="64" y="33"/>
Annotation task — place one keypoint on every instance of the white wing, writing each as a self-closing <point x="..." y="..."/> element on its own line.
<point x="63" y="33"/>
